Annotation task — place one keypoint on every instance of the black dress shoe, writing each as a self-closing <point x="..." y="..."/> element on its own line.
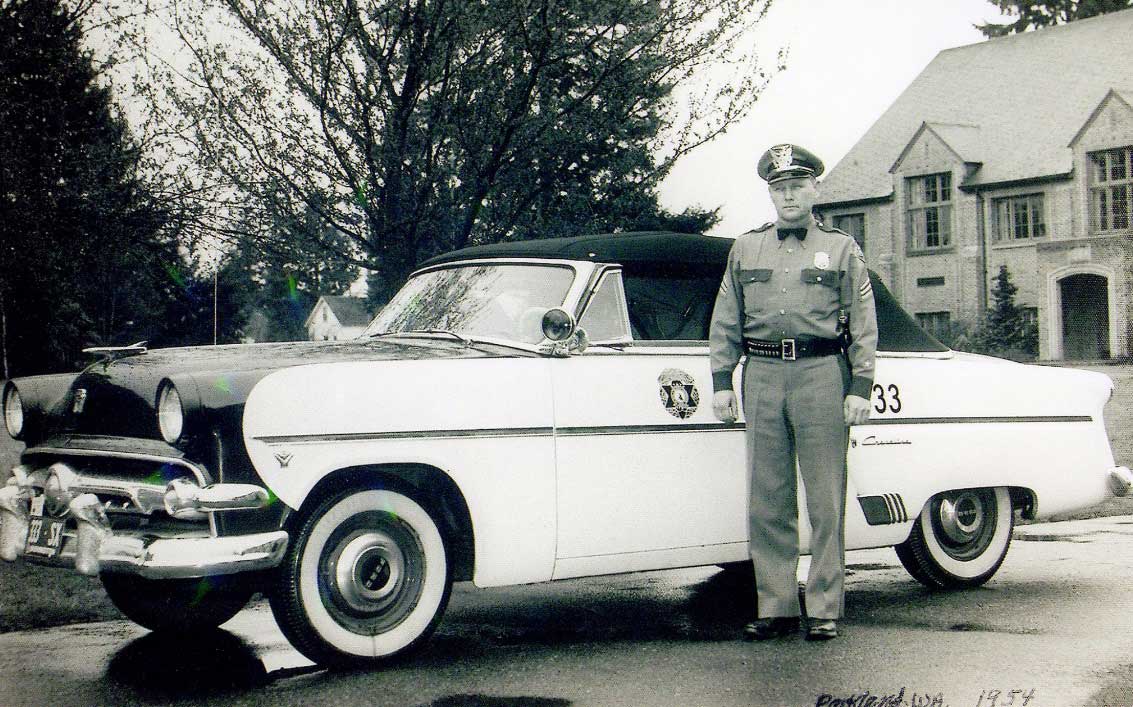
<point x="777" y="627"/>
<point x="822" y="630"/>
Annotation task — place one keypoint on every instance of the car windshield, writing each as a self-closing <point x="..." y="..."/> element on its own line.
<point x="499" y="300"/>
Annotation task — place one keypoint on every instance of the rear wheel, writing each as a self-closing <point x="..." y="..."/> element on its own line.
<point x="177" y="604"/>
<point x="960" y="538"/>
<point x="366" y="578"/>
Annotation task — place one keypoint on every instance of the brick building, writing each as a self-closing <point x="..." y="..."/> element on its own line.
<point x="1016" y="151"/>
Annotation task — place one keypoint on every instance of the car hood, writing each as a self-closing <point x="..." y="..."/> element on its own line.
<point x="118" y="397"/>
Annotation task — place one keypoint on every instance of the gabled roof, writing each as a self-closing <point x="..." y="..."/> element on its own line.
<point x="962" y="140"/>
<point x="349" y="311"/>
<point x="1029" y="94"/>
<point x="1111" y="96"/>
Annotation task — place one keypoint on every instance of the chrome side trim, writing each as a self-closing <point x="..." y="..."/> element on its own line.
<point x="977" y="420"/>
<point x="178" y="558"/>
<point x="203" y="478"/>
<point x="634" y="429"/>
<point x="410" y="434"/>
<point x="650" y="429"/>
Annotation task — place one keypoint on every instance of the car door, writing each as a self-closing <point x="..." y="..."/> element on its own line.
<point x="646" y="476"/>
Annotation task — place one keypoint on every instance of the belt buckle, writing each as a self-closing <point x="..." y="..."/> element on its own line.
<point x="787" y="349"/>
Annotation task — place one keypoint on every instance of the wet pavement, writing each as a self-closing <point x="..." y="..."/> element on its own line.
<point x="1055" y="625"/>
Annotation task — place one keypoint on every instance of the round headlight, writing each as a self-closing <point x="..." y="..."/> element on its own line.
<point x="558" y="325"/>
<point x="170" y="414"/>
<point x="13" y="411"/>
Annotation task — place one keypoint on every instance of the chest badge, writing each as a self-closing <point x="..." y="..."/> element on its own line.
<point x="821" y="260"/>
<point x="678" y="393"/>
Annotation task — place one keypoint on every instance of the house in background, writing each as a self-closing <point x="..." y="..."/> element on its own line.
<point x="1017" y="151"/>
<point x="333" y="318"/>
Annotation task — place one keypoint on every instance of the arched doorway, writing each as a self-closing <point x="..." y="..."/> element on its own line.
<point x="1085" y="316"/>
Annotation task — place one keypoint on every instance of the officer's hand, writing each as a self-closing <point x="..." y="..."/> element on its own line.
<point x="724" y="406"/>
<point x="856" y="410"/>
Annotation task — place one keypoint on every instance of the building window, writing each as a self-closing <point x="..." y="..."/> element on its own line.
<point x="1019" y="217"/>
<point x="935" y="323"/>
<point x="1111" y="189"/>
<point x="854" y="224"/>
<point x="1030" y="315"/>
<point x="929" y="211"/>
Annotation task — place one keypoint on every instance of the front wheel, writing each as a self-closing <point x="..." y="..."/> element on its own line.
<point x="177" y="604"/>
<point x="366" y="578"/>
<point x="960" y="539"/>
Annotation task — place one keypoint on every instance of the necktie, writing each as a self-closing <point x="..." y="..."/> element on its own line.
<point x="799" y="233"/>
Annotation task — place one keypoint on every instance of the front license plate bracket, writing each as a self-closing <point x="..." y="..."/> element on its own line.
<point x="45" y="533"/>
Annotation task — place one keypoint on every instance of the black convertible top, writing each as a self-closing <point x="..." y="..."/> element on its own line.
<point x="660" y="250"/>
<point x="652" y="247"/>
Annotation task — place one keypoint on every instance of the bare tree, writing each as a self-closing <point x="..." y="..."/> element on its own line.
<point x="417" y="126"/>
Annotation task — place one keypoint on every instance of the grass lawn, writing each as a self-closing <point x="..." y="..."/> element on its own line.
<point x="33" y="596"/>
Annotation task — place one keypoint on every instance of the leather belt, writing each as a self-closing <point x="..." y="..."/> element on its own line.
<point x="792" y="349"/>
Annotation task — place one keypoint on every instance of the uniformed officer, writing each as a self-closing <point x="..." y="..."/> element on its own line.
<point x="789" y="291"/>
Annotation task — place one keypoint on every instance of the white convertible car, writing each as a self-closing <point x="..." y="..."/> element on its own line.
<point x="519" y="413"/>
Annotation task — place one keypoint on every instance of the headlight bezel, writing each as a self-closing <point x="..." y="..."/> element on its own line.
<point x="15" y="415"/>
<point x="169" y="408"/>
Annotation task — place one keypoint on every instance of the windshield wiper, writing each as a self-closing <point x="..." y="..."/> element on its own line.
<point x="444" y="332"/>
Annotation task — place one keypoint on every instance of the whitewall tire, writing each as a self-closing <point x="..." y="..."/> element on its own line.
<point x="960" y="538"/>
<point x="366" y="578"/>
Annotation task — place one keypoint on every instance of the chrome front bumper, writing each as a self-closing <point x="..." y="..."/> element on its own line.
<point x="87" y="542"/>
<point x="173" y="558"/>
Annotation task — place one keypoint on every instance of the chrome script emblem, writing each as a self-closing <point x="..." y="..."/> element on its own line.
<point x="80" y="401"/>
<point x="284" y="458"/>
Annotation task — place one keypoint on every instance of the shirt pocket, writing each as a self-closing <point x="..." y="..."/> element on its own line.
<point x="755" y="284"/>
<point x="822" y="290"/>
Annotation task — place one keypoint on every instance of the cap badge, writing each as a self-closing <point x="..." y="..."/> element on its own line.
<point x="821" y="260"/>
<point x="782" y="156"/>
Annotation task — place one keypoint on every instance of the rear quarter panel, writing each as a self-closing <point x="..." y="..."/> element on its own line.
<point x="974" y="421"/>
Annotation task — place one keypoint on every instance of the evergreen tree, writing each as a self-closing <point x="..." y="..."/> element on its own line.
<point x="85" y="250"/>
<point x="1036" y="15"/>
<point x="1005" y="330"/>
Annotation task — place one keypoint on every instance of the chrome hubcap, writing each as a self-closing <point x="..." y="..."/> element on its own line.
<point x="369" y="571"/>
<point x="961" y="517"/>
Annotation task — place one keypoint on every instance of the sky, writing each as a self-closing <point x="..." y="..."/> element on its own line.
<point x="848" y="60"/>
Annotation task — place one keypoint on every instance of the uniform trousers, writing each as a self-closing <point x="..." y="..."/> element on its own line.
<point x="794" y="409"/>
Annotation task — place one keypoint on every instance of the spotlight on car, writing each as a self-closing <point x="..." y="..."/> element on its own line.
<point x="558" y="324"/>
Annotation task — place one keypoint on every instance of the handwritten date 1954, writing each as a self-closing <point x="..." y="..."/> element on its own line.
<point x="1005" y="698"/>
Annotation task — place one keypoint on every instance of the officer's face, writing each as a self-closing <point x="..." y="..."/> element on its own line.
<point x="794" y="198"/>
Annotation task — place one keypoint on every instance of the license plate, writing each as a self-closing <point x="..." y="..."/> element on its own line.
<point x="45" y="533"/>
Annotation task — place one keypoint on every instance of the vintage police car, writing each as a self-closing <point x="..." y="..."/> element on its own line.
<point x="522" y="412"/>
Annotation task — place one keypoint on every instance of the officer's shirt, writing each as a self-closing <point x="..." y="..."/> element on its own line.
<point x="784" y="289"/>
